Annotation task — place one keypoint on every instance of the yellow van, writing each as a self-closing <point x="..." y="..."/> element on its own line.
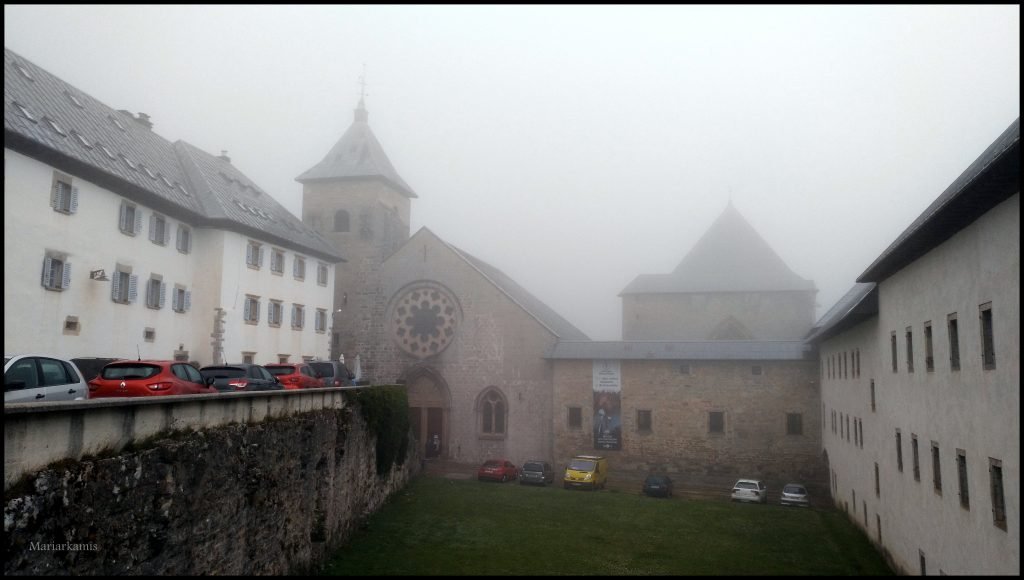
<point x="587" y="471"/>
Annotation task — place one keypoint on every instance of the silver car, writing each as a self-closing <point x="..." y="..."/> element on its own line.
<point x="33" y="378"/>
<point x="794" y="494"/>
<point x="750" y="490"/>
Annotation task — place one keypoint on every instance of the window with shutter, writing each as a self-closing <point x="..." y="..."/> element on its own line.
<point x="188" y="300"/>
<point x="47" y="278"/>
<point x="115" y="287"/>
<point x="122" y="220"/>
<point x="133" y="288"/>
<point x="138" y="221"/>
<point x="152" y="228"/>
<point x="66" y="278"/>
<point x="163" y="294"/>
<point x="261" y="257"/>
<point x="74" y="200"/>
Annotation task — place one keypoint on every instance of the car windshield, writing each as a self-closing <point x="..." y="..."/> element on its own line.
<point x="324" y="368"/>
<point x="794" y="489"/>
<point x="492" y="463"/>
<point x="746" y="485"/>
<point x="278" y="371"/>
<point x="582" y="465"/>
<point x="129" y="371"/>
<point x="222" y="372"/>
<point x="533" y="466"/>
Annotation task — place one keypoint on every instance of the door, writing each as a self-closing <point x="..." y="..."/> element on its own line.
<point x="434" y="431"/>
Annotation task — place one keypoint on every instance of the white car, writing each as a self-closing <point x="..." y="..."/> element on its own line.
<point x="36" y="378"/>
<point x="794" y="494"/>
<point x="750" y="490"/>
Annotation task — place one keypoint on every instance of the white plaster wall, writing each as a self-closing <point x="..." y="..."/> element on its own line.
<point x="974" y="409"/>
<point x="238" y="280"/>
<point x="215" y="272"/>
<point x="34" y="317"/>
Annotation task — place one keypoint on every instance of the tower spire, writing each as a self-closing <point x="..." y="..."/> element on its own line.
<point x="361" y="113"/>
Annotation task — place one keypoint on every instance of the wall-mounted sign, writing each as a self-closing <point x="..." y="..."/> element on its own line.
<point x="607" y="405"/>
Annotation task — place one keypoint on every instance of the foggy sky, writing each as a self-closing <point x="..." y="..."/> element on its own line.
<point x="577" y="147"/>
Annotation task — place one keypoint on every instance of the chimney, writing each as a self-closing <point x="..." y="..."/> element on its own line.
<point x="224" y="155"/>
<point x="143" y="120"/>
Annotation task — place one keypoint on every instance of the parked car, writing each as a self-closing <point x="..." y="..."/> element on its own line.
<point x="32" y="378"/>
<point x="333" y="373"/>
<point x="586" y="471"/>
<point x="497" y="469"/>
<point x="144" y="378"/>
<point x="795" y="494"/>
<point x="241" y="377"/>
<point x="658" y="486"/>
<point x="90" y="367"/>
<point x="536" y="471"/>
<point x="750" y="490"/>
<point x="295" y="375"/>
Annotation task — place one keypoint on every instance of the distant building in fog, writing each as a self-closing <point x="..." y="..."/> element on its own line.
<point x="920" y="366"/>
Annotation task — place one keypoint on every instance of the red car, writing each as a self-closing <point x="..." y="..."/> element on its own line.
<point x="295" y="375"/>
<point x="145" y="378"/>
<point x="497" y="469"/>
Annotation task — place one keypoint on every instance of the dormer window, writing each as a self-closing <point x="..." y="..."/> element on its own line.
<point x="24" y="112"/>
<point x="81" y="139"/>
<point x="24" y="71"/>
<point x="53" y="125"/>
<point x="74" y="100"/>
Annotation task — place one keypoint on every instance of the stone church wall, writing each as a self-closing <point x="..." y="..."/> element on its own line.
<point x="754" y="442"/>
<point x="496" y="343"/>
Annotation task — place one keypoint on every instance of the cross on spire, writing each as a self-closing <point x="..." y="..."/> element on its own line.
<point x="361" y="113"/>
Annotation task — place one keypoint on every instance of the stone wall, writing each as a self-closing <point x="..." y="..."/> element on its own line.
<point x="274" y="497"/>
<point x="754" y="442"/>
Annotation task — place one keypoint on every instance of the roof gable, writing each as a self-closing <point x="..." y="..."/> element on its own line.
<point x="533" y="306"/>
<point x="730" y="257"/>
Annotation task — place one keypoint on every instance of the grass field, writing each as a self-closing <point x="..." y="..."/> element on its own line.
<point x="440" y="526"/>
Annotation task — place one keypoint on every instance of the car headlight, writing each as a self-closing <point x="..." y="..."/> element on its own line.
<point x="586" y="477"/>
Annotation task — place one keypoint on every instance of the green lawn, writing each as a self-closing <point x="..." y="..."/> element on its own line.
<point x="439" y="526"/>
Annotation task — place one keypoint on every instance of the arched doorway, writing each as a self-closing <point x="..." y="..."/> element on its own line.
<point x="429" y="407"/>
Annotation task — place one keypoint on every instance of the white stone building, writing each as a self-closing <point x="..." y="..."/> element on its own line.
<point x="119" y="243"/>
<point x="920" y="375"/>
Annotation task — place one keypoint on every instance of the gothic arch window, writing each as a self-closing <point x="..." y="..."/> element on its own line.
<point x="493" y="412"/>
<point x="341" y="223"/>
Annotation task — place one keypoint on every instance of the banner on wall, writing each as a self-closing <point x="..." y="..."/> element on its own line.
<point x="607" y="405"/>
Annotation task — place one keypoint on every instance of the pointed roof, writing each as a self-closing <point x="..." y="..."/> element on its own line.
<point x="356" y="155"/>
<point x="533" y="306"/>
<point x="730" y="257"/>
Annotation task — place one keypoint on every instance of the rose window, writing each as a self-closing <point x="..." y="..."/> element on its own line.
<point x="423" y="320"/>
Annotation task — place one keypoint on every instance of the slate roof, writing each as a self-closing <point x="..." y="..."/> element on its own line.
<point x="113" y="149"/>
<point x="992" y="178"/>
<point x="858" y="304"/>
<point x="730" y="257"/>
<point x="684" y="350"/>
<point x="541" y="312"/>
<point x="357" y="155"/>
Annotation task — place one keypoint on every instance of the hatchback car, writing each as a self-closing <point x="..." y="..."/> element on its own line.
<point x="497" y="469"/>
<point x="750" y="490"/>
<point x="333" y="373"/>
<point x="144" y="378"/>
<point x="795" y="494"/>
<point x="658" y="486"/>
<point x="535" y="471"/>
<point x="32" y="378"/>
<point x="295" y="375"/>
<point x="242" y="377"/>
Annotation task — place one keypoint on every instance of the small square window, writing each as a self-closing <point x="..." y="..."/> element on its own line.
<point x="794" y="424"/>
<point x="149" y="334"/>
<point x="575" y="417"/>
<point x="643" y="420"/>
<point x="248" y="357"/>
<point x="72" y="326"/>
<point x="716" y="422"/>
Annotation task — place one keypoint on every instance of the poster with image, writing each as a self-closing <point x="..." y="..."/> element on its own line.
<point x="607" y="405"/>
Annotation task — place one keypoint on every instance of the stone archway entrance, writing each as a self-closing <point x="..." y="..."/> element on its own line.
<point x="429" y="408"/>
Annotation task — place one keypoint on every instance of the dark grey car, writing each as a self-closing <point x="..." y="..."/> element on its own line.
<point x="241" y="377"/>
<point x="538" y="472"/>
<point x="333" y="373"/>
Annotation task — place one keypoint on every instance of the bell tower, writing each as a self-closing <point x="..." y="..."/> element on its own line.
<point x="356" y="200"/>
